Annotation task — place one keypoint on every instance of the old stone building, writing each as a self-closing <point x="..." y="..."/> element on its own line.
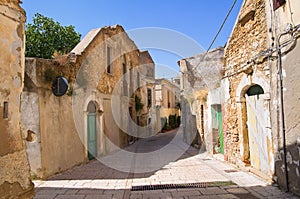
<point x="167" y="100"/>
<point x="283" y="19"/>
<point x="98" y="115"/>
<point x="201" y="93"/>
<point x="14" y="168"/>
<point x="262" y="93"/>
<point x="246" y="108"/>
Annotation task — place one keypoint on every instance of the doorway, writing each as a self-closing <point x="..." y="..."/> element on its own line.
<point x="217" y="128"/>
<point x="91" y="131"/>
<point x="257" y="109"/>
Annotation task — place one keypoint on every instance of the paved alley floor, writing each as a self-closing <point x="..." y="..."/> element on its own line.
<point x="162" y="166"/>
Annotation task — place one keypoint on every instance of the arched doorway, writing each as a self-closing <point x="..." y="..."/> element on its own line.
<point x="91" y="130"/>
<point x="258" y="127"/>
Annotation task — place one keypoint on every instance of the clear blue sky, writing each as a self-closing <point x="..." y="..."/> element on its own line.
<point x="197" y="19"/>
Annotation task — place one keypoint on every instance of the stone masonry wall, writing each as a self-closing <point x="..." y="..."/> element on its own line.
<point x="249" y="37"/>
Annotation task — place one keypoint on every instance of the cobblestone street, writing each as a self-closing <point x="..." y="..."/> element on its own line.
<point x="210" y="177"/>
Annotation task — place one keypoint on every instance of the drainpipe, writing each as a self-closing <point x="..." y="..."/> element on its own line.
<point x="279" y="64"/>
<point x="291" y="31"/>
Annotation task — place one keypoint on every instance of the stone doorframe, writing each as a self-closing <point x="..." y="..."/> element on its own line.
<point x="99" y="124"/>
<point x="258" y="78"/>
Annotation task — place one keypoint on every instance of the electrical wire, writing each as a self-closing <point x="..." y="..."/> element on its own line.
<point x="216" y="36"/>
<point x="221" y="27"/>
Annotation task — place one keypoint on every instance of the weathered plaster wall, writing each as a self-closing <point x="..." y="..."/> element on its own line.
<point x="288" y="13"/>
<point x="111" y="129"/>
<point x="15" y="177"/>
<point x="291" y="64"/>
<point x="188" y="121"/>
<point x="30" y="124"/>
<point x="61" y="145"/>
<point x="56" y="146"/>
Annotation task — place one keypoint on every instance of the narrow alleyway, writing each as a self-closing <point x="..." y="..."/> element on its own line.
<point x="192" y="175"/>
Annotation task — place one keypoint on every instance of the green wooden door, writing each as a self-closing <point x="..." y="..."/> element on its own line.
<point x="217" y="125"/>
<point x="220" y="125"/>
<point x="92" y="136"/>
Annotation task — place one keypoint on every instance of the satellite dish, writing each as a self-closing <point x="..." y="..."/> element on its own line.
<point x="60" y="86"/>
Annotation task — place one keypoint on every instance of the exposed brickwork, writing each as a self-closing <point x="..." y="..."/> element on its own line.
<point x="247" y="40"/>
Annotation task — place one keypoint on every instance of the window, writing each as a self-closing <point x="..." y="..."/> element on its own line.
<point x="138" y="80"/>
<point x="278" y="3"/>
<point x="5" y="110"/>
<point x="130" y="81"/>
<point x="169" y="103"/>
<point x="125" y="87"/>
<point x="149" y="93"/>
<point x="108" y="60"/>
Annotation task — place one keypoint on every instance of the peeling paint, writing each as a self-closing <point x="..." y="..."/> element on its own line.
<point x="14" y="167"/>
<point x="297" y="162"/>
<point x="289" y="158"/>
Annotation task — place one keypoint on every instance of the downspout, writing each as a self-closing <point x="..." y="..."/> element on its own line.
<point x="279" y="65"/>
<point x="291" y="31"/>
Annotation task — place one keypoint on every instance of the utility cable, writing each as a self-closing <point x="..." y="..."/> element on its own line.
<point x="216" y="36"/>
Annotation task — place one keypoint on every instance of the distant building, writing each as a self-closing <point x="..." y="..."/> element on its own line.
<point x="167" y="100"/>
<point x="201" y="100"/>
<point x="147" y="116"/>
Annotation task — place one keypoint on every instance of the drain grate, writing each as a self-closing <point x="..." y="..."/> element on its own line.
<point x="205" y="159"/>
<point x="230" y="171"/>
<point x="180" y="186"/>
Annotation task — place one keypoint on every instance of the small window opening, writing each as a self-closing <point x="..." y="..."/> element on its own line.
<point x="108" y="60"/>
<point x="5" y="110"/>
<point x="149" y="92"/>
